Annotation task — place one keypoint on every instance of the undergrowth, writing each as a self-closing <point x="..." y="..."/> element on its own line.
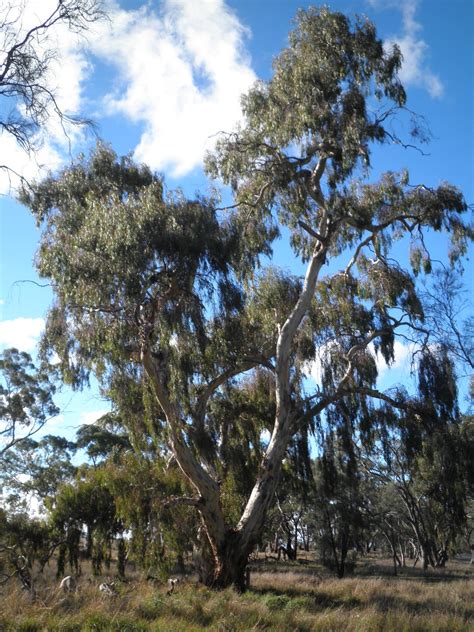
<point x="283" y="601"/>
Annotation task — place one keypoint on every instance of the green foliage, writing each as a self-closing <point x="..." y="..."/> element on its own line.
<point x="141" y="489"/>
<point x="26" y="545"/>
<point x="419" y="456"/>
<point x="26" y="398"/>
<point x="115" y="246"/>
<point x="277" y="602"/>
<point x="338" y="500"/>
<point x="102" y="439"/>
<point x="36" y="468"/>
<point x="29" y="625"/>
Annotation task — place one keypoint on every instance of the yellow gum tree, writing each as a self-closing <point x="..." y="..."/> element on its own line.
<point x="158" y="290"/>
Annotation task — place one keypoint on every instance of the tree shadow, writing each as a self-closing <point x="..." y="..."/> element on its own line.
<point x="410" y="573"/>
<point x="317" y="599"/>
<point x="397" y="603"/>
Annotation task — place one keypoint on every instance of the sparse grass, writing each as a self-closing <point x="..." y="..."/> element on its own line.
<point x="284" y="597"/>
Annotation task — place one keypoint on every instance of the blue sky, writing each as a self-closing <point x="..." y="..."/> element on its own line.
<point x="160" y="78"/>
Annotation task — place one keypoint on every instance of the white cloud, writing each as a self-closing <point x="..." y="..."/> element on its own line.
<point x="22" y="164"/>
<point x="22" y="333"/>
<point x="402" y="359"/>
<point x="180" y="71"/>
<point x="88" y="418"/>
<point x="415" y="68"/>
<point x="181" y="74"/>
<point x="58" y="420"/>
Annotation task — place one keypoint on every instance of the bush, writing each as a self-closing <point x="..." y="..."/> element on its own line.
<point x="277" y="602"/>
<point x="151" y="608"/>
<point x="96" y="623"/>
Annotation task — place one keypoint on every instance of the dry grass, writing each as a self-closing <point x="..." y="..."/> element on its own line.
<point x="283" y="597"/>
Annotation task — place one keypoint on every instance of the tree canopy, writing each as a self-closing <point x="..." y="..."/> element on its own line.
<point x="26" y="398"/>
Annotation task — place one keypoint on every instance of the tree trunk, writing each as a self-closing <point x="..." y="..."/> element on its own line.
<point x="226" y="566"/>
<point x="89" y="542"/>
<point x="121" y="558"/>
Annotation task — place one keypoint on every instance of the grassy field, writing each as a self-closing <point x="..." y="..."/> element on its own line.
<point x="283" y="597"/>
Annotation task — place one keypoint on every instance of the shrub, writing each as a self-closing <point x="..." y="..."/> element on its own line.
<point x="96" y="622"/>
<point x="277" y="602"/>
<point x="152" y="608"/>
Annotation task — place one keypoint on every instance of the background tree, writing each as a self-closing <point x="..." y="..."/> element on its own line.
<point x="27" y="95"/>
<point x="339" y="503"/>
<point x="163" y="290"/>
<point x="102" y="439"/>
<point x="26" y="545"/>
<point x="36" y="469"/>
<point x="26" y="398"/>
<point x="448" y="305"/>
<point x="86" y="502"/>
<point x="420" y="452"/>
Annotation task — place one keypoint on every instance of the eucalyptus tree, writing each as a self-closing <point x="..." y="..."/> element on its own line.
<point x="301" y="160"/>
<point x="157" y="288"/>
<point x="147" y="293"/>
<point x="339" y="502"/>
<point x="421" y="455"/>
<point x="26" y="398"/>
<point x="36" y="469"/>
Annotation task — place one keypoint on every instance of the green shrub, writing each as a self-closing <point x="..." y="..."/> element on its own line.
<point x="29" y="625"/>
<point x="5" y="625"/>
<point x="277" y="602"/>
<point x="300" y="603"/>
<point x="151" y="608"/>
<point x="96" y="622"/>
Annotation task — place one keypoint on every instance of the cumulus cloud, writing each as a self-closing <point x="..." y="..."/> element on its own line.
<point x="90" y="417"/>
<point x="415" y="68"/>
<point x="22" y="333"/>
<point x="180" y="74"/>
<point x="402" y="359"/>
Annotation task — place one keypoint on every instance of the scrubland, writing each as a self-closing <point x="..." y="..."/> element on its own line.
<point x="283" y="597"/>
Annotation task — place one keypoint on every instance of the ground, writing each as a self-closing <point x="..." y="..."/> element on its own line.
<point x="284" y="596"/>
